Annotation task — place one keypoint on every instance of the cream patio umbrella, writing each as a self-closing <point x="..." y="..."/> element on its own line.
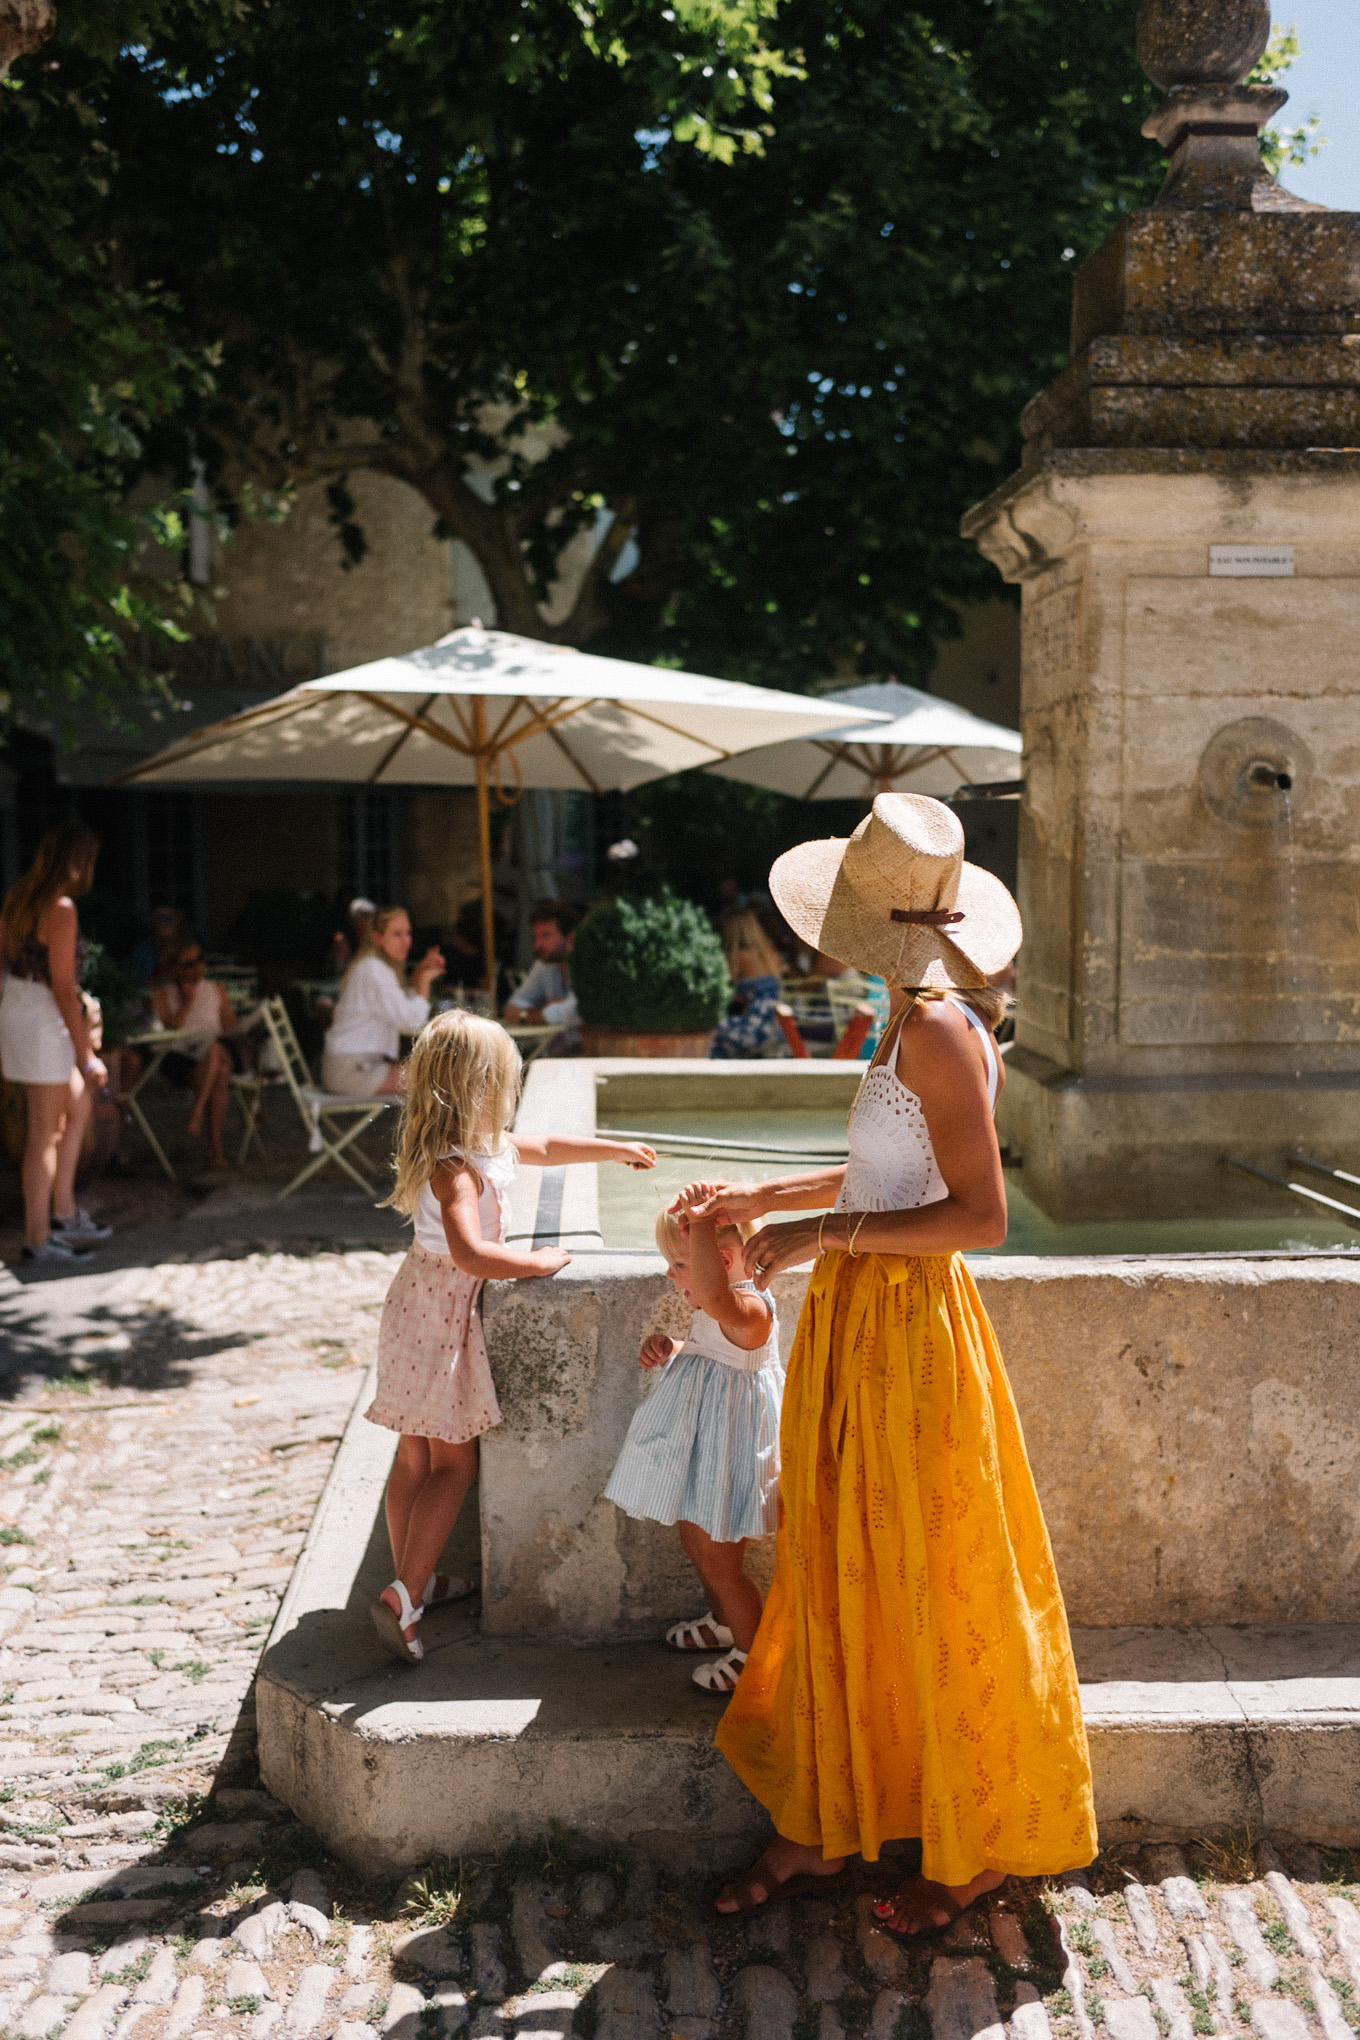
<point x="486" y="709"/>
<point x="925" y="745"/>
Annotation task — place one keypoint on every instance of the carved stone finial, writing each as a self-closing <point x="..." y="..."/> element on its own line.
<point x="1200" y="52"/>
<point x="24" y="27"/>
<point x="1201" y="42"/>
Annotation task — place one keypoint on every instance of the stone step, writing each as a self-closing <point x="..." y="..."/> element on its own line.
<point x="493" y="1738"/>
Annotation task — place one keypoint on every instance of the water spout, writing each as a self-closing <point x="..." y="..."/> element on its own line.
<point x="1268" y="777"/>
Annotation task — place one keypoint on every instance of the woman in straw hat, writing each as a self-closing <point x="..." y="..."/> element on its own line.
<point x="912" y="1675"/>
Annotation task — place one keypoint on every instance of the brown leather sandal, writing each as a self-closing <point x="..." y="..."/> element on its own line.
<point x="803" y="1883"/>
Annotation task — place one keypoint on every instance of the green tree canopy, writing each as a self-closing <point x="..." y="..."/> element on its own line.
<point x="785" y="360"/>
<point x="764" y="292"/>
<point x="90" y="360"/>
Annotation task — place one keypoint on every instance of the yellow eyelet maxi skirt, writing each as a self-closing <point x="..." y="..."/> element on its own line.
<point x="912" y="1675"/>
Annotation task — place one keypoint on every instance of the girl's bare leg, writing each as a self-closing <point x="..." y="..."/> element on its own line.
<point x="204" y="1071"/>
<point x="432" y="1513"/>
<point x="734" y="1599"/>
<point x="48" y="1105"/>
<point x="219" y="1097"/>
<point x="410" y="1471"/>
<point x="79" y="1107"/>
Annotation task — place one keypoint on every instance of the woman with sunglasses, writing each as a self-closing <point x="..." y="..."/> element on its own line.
<point x="186" y="998"/>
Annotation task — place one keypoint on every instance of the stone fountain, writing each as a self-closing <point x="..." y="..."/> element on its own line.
<point x="1185" y="530"/>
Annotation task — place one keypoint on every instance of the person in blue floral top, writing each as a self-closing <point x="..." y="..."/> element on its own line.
<point x="752" y="1026"/>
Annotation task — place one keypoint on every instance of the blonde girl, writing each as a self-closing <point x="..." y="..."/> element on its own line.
<point x="455" y="1163"/>
<point x="702" y="1451"/>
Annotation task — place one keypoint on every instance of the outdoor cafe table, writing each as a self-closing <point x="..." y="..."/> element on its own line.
<point x="159" y="1041"/>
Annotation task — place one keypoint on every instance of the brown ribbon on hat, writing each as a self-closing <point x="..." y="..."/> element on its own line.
<point x="926" y="917"/>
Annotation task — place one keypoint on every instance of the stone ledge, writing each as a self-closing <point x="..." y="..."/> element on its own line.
<point x="1191" y="1728"/>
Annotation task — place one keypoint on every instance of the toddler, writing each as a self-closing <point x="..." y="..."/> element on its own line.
<point x="455" y="1162"/>
<point x="703" y="1449"/>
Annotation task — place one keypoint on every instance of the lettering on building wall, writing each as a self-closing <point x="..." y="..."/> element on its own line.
<point x="1251" y="562"/>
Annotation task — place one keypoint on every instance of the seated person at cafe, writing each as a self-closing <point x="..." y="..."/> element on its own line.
<point x="185" y="998"/>
<point x="751" y="1025"/>
<point x="546" y="999"/>
<point x="362" y="1056"/>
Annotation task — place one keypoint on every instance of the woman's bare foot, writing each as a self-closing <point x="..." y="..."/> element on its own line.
<point x="218" y="1161"/>
<point x="781" y="1862"/>
<point x="922" y="1906"/>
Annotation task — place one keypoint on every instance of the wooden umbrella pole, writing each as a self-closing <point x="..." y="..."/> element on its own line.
<point x="484" y="846"/>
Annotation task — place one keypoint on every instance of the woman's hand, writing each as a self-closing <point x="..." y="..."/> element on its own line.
<point x="547" y="1260"/>
<point x="776" y="1247"/>
<point x="94" y="1072"/>
<point x="634" y="1153"/>
<point x="657" y="1349"/>
<point x="724" y="1203"/>
<point x="430" y="967"/>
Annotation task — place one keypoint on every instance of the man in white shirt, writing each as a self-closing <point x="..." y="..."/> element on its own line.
<point x="546" y="998"/>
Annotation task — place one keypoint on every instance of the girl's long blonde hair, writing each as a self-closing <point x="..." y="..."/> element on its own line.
<point x="462" y="1088"/>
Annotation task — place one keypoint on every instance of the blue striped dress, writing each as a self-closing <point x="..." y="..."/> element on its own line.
<point x="704" y="1447"/>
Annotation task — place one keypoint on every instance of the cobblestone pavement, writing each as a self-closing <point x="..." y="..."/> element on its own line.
<point x="169" y="1432"/>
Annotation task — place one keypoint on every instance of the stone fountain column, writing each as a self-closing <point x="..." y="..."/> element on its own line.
<point x="1185" y="529"/>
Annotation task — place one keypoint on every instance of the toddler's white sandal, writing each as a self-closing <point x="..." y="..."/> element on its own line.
<point x="722" y="1675"/>
<point x="391" y="1627"/>
<point x="454" y="1590"/>
<point x="688" y="1635"/>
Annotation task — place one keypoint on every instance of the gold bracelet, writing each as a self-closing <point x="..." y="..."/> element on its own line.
<point x="852" y="1237"/>
<point x="821" y="1229"/>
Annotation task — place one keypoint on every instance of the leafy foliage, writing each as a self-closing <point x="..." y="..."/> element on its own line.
<point x="634" y="272"/>
<point x="89" y="362"/>
<point x="1283" y="146"/>
<point x="650" y="965"/>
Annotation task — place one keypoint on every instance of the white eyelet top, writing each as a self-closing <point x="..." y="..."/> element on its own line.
<point x="497" y="1173"/>
<point x="892" y="1164"/>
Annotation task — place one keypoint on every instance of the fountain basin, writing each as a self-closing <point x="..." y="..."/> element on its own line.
<point x="1191" y="1427"/>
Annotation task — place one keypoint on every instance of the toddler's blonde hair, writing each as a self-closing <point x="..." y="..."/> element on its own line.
<point x="462" y="1088"/>
<point x="673" y="1243"/>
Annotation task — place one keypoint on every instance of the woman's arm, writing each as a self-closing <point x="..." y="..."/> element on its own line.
<point x="744" y="1319"/>
<point x="740" y="1203"/>
<point x="458" y="1193"/>
<point x="546" y="1150"/>
<point x="407" y="1011"/>
<point x="226" y="1012"/>
<point x="62" y="929"/>
<point x="940" y="1061"/>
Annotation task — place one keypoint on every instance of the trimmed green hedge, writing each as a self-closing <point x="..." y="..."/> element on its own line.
<point x="654" y="966"/>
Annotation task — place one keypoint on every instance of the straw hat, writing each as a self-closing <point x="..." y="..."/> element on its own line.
<point x="896" y="899"/>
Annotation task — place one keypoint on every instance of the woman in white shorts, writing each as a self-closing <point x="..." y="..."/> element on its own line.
<point x="44" y="1042"/>
<point x="374" y="1010"/>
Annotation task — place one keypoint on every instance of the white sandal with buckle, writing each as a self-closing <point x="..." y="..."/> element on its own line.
<point x="688" y="1635"/>
<point x="454" y="1590"/>
<point x="722" y="1675"/>
<point x="391" y="1628"/>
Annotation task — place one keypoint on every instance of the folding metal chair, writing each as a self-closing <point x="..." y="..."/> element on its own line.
<point x="332" y="1119"/>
